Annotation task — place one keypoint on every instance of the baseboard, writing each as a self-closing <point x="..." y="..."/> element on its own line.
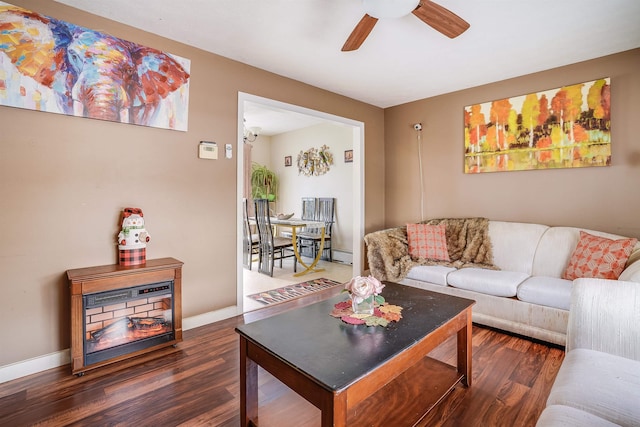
<point x="343" y="257"/>
<point x="60" y="358"/>
<point x="35" y="365"/>
<point x="210" y="317"/>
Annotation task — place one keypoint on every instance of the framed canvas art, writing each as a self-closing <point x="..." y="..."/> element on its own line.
<point x="58" y="67"/>
<point x="567" y="127"/>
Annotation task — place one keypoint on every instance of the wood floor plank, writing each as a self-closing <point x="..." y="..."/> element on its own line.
<point x="197" y="384"/>
<point x="528" y="367"/>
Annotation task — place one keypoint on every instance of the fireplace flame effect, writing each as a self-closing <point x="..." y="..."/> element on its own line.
<point x="126" y="330"/>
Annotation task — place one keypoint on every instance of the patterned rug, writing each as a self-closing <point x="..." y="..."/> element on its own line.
<point x="290" y="292"/>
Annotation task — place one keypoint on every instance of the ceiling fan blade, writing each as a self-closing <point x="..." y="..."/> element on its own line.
<point x="359" y="33"/>
<point x="440" y="18"/>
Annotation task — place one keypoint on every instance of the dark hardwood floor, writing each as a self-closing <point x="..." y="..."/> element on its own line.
<point x="197" y="383"/>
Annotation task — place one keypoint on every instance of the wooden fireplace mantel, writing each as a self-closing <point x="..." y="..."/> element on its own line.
<point x="104" y="278"/>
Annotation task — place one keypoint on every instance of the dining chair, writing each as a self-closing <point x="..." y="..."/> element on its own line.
<point x="309" y="239"/>
<point x="270" y="247"/>
<point x="250" y="240"/>
<point x="308" y="212"/>
<point x="309" y="205"/>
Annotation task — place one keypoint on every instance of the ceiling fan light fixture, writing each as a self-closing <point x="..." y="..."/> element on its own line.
<point x="389" y="8"/>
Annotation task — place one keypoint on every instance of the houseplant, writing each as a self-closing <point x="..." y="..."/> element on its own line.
<point x="264" y="182"/>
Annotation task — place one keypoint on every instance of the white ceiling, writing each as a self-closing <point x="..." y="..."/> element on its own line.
<point x="273" y="121"/>
<point x="403" y="59"/>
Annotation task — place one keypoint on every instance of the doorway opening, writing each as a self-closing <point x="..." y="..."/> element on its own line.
<point x="255" y="105"/>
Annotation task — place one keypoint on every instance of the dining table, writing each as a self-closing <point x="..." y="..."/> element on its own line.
<point x="294" y="224"/>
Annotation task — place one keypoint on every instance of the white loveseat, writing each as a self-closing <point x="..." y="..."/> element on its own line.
<point x="526" y="295"/>
<point x="598" y="383"/>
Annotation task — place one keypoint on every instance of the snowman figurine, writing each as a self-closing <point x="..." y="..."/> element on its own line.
<point x="133" y="238"/>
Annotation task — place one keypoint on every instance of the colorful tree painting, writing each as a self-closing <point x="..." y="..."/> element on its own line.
<point x="558" y="128"/>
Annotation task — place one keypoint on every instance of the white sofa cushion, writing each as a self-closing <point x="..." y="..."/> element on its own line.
<point x="549" y="291"/>
<point x="491" y="282"/>
<point x="554" y="250"/>
<point x="566" y="416"/>
<point x="605" y="385"/>
<point x="514" y="244"/>
<point x="436" y="274"/>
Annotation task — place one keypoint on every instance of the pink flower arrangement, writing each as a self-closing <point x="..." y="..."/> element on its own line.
<point x="361" y="288"/>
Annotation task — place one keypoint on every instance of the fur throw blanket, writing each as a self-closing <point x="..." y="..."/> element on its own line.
<point x="468" y="244"/>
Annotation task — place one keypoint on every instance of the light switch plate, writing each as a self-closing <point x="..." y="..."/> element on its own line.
<point x="228" y="151"/>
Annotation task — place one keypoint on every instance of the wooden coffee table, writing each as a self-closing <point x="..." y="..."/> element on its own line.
<point x="356" y="373"/>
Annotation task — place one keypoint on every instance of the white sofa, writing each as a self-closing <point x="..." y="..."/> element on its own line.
<point x="598" y="383"/>
<point x="526" y="295"/>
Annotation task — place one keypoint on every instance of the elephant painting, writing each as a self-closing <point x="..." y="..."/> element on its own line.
<point x="51" y="65"/>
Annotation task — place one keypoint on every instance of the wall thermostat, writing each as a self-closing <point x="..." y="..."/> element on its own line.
<point x="208" y="150"/>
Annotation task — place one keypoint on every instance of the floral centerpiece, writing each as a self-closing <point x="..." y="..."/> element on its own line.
<point x="363" y="291"/>
<point x="366" y="306"/>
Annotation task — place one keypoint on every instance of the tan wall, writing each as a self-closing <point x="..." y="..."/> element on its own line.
<point x="601" y="198"/>
<point x="64" y="181"/>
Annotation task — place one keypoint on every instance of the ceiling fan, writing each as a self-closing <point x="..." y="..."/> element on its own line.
<point x="438" y="17"/>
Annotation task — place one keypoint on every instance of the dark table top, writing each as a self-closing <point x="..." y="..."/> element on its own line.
<point x="336" y="354"/>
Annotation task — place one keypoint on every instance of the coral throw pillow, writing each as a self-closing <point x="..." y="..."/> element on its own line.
<point x="427" y="241"/>
<point x="598" y="257"/>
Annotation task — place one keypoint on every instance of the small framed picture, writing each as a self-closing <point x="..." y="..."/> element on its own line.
<point x="287" y="161"/>
<point x="348" y="156"/>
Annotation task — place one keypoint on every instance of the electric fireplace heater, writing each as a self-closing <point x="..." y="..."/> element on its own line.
<point x="118" y="312"/>
<point x="126" y="320"/>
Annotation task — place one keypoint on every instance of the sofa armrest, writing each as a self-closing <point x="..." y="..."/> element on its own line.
<point x="632" y="271"/>
<point x="604" y="316"/>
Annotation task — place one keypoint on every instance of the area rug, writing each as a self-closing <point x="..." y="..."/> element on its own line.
<point x="290" y="292"/>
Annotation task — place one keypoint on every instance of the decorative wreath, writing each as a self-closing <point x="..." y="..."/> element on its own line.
<point x="315" y="161"/>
